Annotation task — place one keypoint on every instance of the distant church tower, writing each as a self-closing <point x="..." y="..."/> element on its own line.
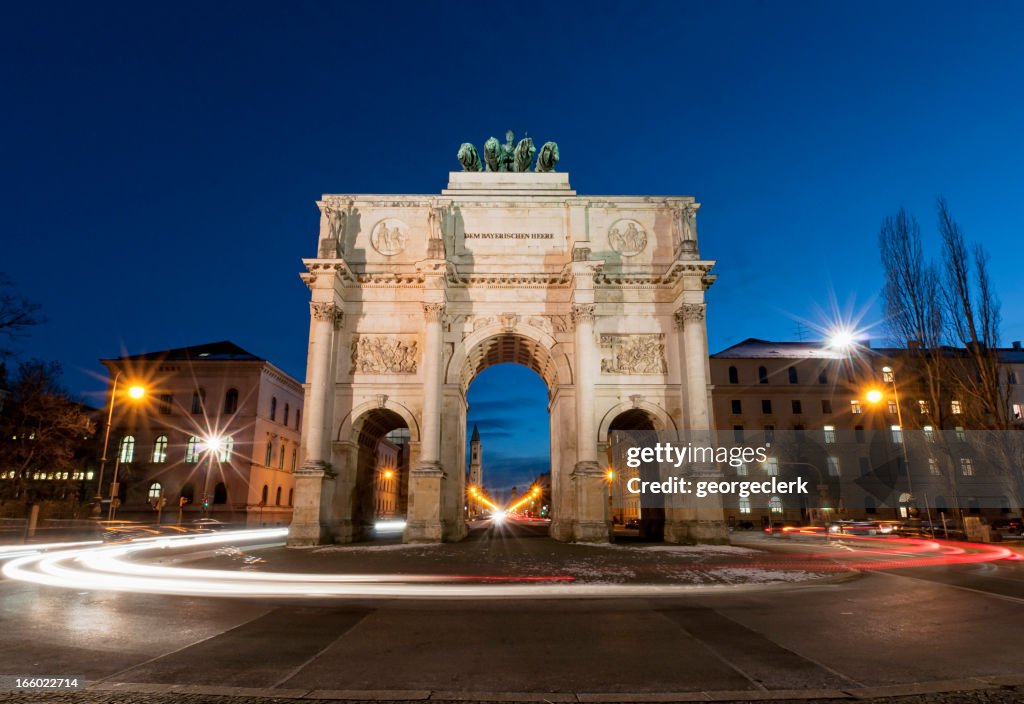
<point x="476" y="470"/>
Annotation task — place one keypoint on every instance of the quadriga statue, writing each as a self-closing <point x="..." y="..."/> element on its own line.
<point x="468" y="157"/>
<point x="492" y="154"/>
<point x="548" y="157"/>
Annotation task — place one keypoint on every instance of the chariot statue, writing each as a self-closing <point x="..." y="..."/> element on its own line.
<point x="508" y="156"/>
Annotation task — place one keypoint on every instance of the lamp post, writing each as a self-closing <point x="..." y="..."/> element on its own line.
<point x="134" y="392"/>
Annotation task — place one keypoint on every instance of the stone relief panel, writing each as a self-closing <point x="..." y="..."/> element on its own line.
<point x="384" y="354"/>
<point x="634" y="354"/>
<point x="389" y="236"/>
<point x="627" y="237"/>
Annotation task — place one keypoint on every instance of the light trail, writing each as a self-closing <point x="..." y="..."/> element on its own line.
<point x="112" y="568"/>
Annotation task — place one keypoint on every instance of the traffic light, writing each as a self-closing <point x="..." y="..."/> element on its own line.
<point x="206" y="502"/>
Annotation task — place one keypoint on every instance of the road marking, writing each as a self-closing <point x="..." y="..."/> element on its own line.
<point x="1004" y="597"/>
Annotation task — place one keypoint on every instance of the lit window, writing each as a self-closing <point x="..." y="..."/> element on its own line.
<point x="741" y="470"/>
<point x="227" y="444"/>
<point x="160" y="450"/>
<point x="893" y="408"/>
<point x="960" y="434"/>
<point x="933" y="466"/>
<point x="956" y="408"/>
<point x="744" y="505"/>
<point x="127" y="451"/>
<point x="88" y="476"/>
<point x="192" y="450"/>
<point x="897" y="434"/>
<point x="929" y="433"/>
<point x="775" y="504"/>
<point x="1018" y="411"/>
<point x="771" y="466"/>
<point x="833" y="466"/>
<point x="830" y="433"/>
<point x="923" y="407"/>
<point x="855" y="407"/>
<point x="155" y="492"/>
<point x="967" y="466"/>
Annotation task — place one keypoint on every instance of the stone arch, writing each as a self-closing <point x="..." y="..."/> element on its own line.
<point x="365" y="434"/>
<point x="520" y="344"/>
<point x="662" y="420"/>
<point x="345" y="428"/>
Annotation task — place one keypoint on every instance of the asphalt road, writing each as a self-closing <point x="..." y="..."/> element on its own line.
<point x="891" y="627"/>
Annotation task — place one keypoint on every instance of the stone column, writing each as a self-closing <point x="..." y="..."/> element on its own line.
<point x="311" y="516"/>
<point x="703" y="522"/>
<point x="588" y="477"/>
<point x="424" y="517"/>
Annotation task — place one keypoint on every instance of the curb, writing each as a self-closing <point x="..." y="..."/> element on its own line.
<point x="393" y="695"/>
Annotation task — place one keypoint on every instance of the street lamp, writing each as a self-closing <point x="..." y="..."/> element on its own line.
<point x="136" y="393"/>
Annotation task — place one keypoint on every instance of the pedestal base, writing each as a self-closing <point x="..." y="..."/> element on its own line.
<point x="697" y="532"/>
<point x="424" y="518"/>
<point x="301" y="535"/>
<point x="561" y="530"/>
<point x="590" y="489"/>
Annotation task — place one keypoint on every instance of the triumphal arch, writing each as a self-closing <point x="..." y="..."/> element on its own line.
<point x="414" y="295"/>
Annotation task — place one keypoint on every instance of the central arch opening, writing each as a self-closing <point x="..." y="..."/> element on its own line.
<point x="510" y="382"/>
<point x="381" y="492"/>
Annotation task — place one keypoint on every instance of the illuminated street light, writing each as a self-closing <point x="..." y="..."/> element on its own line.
<point x="388" y="474"/>
<point x="841" y="339"/>
<point x="135" y="392"/>
<point x="874" y="396"/>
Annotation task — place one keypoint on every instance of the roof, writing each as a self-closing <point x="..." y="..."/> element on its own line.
<point x="753" y="348"/>
<point x="212" y="351"/>
<point x="476" y="434"/>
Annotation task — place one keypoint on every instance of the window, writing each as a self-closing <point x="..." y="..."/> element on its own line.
<point x="220" y="493"/>
<point x="734" y="375"/>
<point x="897" y="434"/>
<point x="769" y="433"/>
<point x="865" y="466"/>
<point x="887" y="376"/>
<point x="269" y="459"/>
<point x="956" y="408"/>
<point x="287" y="413"/>
<point x="1018" y="411"/>
<point x="192" y="450"/>
<point x="231" y="401"/>
<point x="127" y="449"/>
<point x="160" y="450"/>
<point x="775" y="504"/>
<point x="893" y="408"/>
<point x="762" y="375"/>
<point x="1011" y="378"/>
<point x="227" y="444"/>
<point x="280" y="455"/>
<point x="744" y="505"/>
<point x="737" y="406"/>
<point x="967" y="466"/>
<point x="166" y="404"/>
<point x="933" y="466"/>
<point x="830" y="433"/>
<point x="264" y="494"/>
<point x="156" y="492"/>
<point x="793" y="378"/>
<point x="277" y="497"/>
<point x="797" y="407"/>
<point x="295" y="456"/>
<point x="826" y="406"/>
<point x="742" y="470"/>
<point x="960" y="434"/>
<point x="855" y="407"/>
<point x="923" y="407"/>
<point x="737" y="433"/>
<point x="273" y="408"/>
<point x="298" y="418"/>
<point x="771" y="466"/>
<point x="833" y="466"/>
<point x="929" y="433"/>
<point x="291" y="496"/>
<point x="822" y="377"/>
<point x="198" y="400"/>
<point x="766" y="406"/>
<point x="858" y="434"/>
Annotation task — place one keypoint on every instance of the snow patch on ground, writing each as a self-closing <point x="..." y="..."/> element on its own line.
<point x="689" y="550"/>
<point x="376" y="548"/>
<point x="751" y="575"/>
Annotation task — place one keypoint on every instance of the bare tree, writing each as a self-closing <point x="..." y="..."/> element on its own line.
<point x="16" y="313"/>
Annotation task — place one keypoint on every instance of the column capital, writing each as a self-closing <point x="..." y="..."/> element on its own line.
<point x="326" y="313"/>
<point x="582" y="313"/>
<point x="433" y="312"/>
<point x="690" y="313"/>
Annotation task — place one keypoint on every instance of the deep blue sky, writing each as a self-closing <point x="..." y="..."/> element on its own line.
<point x="160" y="163"/>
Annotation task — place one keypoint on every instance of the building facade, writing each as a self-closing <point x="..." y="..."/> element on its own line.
<point x="215" y="433"/>
<point x="414" y="295"/>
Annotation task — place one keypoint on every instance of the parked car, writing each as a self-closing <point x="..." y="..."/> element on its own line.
<point x="632" y="524"/>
